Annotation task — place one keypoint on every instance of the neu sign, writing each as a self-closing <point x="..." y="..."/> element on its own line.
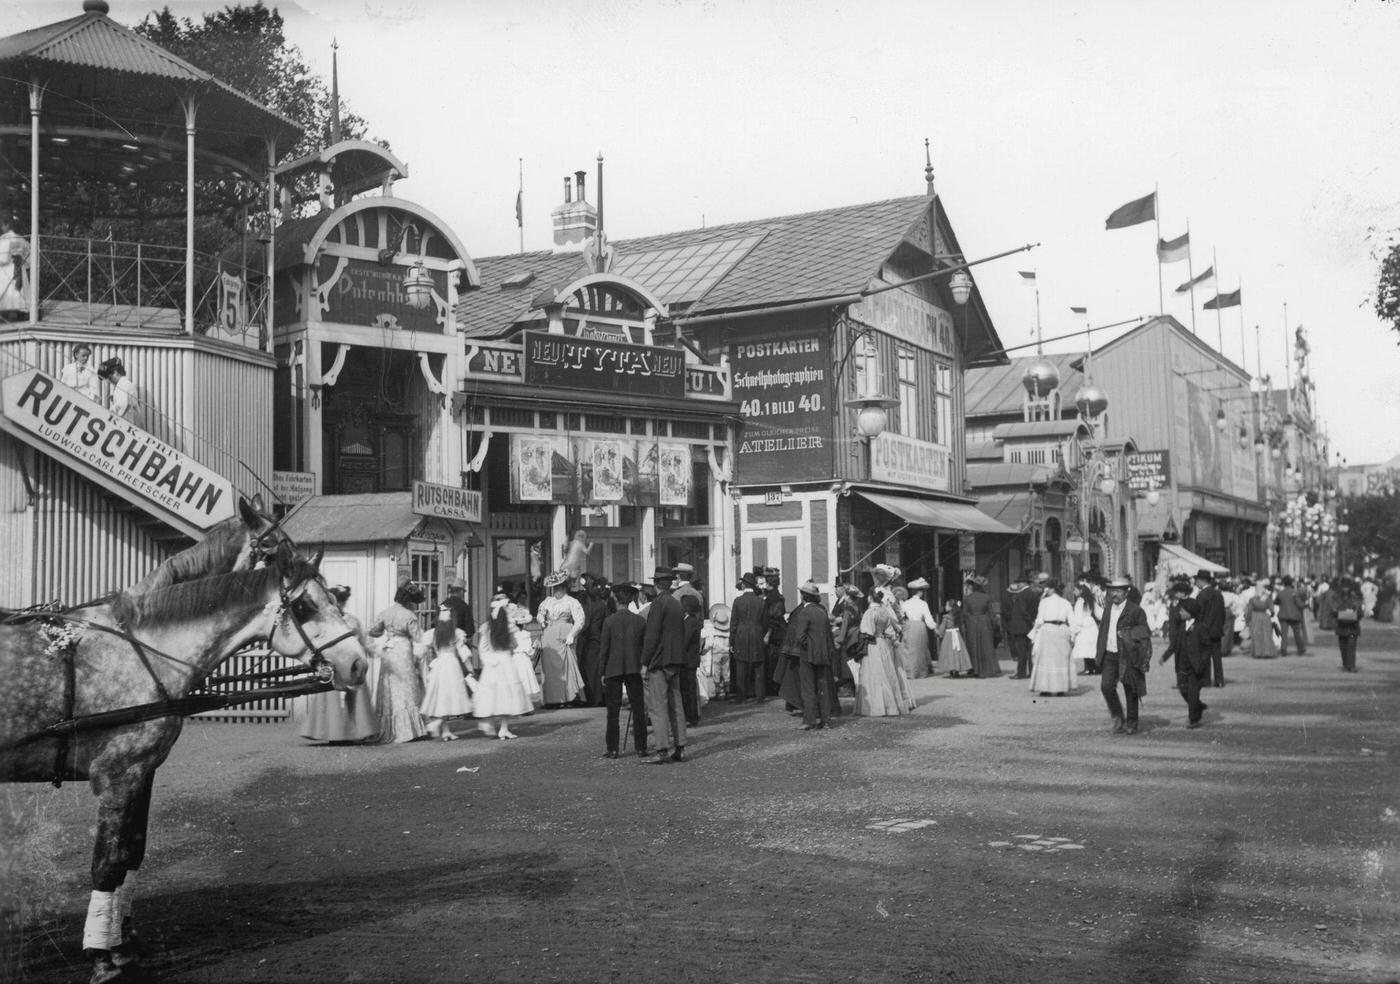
<point x="68" y="422"/>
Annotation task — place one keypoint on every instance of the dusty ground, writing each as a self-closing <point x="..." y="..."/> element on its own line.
<point x="1034" y="846"/>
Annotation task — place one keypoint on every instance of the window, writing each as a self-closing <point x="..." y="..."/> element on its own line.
<point x="908" y="392"/>
<point x="867" y="360"/>
<point x="943" y="405"/>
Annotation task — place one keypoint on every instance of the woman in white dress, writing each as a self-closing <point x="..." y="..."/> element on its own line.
<point x="400" y="682"/>
<point x="918" y="622"/>
<point x="882" y="690"/>
<point x="501" y="692"/>
<point x="1088" y="609"/>
<point x="561" y="617"/>
<point x="1052" y="656"/>
<point x="446" y="695"/>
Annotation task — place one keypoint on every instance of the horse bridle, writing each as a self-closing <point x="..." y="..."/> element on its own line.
<point x="319" y="663"/>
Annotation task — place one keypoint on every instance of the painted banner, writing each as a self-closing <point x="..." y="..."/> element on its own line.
<point x="592" y="364"/>
<point x="784" y="392"/>
<point x="81" y="429"/>
<point x="446" y="502"/>
<point x="901" y="460"/>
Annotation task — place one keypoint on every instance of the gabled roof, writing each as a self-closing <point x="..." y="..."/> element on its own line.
<point x="997" y="391"/>
<point x="812" y="256"/>
<point x="1172" y="324"/>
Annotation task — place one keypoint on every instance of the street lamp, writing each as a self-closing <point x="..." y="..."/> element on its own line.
<point x="960" y="286"/>
<point x="871" y="415"/>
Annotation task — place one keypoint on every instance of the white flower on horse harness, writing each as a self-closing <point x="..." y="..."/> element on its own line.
<point x="63" y="637"/>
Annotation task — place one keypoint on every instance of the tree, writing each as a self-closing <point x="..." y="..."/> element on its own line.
<point x="1372" y="539"/>
<point x="1388" y="288"/>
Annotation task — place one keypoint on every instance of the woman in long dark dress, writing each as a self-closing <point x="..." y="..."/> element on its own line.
<point x="977" y="628"/>
<point x="749" y="617"/>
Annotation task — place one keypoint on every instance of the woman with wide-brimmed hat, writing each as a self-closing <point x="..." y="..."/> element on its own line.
<point x="562" y="619"/>
<point x="918" y="622"/>
<point x="977" y="628"/>
<point x="400" y="681"/>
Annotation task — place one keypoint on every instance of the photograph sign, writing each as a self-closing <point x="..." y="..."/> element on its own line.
<point x="784" y="391"/>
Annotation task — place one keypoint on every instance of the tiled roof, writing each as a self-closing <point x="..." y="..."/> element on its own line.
<point x="1036" y="428"/>
<point x="798" y="258"/>
<point x="984" y="451"/>
<point x="997" y="391"/>
<point x="990" y="474"/>
<point x="352" y="518"/>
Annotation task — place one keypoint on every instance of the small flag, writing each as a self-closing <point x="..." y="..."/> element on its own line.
<point x="1200" y="280"/>
<point x="1219" y="301"/>
<point x="519" y="208"/>
<point x="1079" y="310"/>
<point x="1027" y="275"/>
<point x="1174" y="250"/>
<point x="1141" y="210"/>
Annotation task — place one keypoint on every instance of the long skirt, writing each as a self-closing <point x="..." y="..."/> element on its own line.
<point x="980" y="648"/>
<point x="882" y="690"/>
<point x="446" y="694"/>
<point x="501" y="689"/>
<point x="952" y="652"/>
<point x="1052" y="671"/>
<point x="1261" y="636"/>
<point x="562" y="679"/>
<point x="336" y="715"/>
<point x="914" y="651"/>
<point x="400" y="693"/>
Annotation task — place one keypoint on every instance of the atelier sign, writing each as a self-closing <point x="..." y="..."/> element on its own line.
<point x="81" y="429"/>
<point x="587" y="363"/>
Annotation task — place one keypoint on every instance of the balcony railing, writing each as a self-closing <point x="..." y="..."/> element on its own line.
<point x="141" y="287"/>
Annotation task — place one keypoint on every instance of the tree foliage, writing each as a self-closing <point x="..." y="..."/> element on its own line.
<point x="1388" y="288"/>
<point x="1373" y="535"/>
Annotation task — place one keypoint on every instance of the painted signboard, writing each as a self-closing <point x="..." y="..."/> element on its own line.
<point x="784" y="391"/>
<point x="292" y="487"/>
<point x="1148" y="470"/>
<point x="900" y="460"/>
<point x="362" y="292"/>
<point x="908" y="317"/>
<point x="446" y="502"/>
<point x="79" y="428"/>
<point x="590" y="364"/>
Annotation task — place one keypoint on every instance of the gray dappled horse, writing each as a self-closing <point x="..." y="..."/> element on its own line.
<point x="146" y="649"/>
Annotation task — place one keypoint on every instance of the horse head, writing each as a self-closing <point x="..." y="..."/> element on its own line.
<point x="309" y="625"/>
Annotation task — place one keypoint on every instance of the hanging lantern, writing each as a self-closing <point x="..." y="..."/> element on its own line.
<point x="418" y="285"/>
<point x="960" y="286"/>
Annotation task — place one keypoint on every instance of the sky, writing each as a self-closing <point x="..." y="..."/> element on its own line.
<point x="1263" y="126"/>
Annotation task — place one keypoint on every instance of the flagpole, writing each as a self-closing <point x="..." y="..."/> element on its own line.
<point x="1220" y="283"/>
<point x="520" y="205"/>
<point x="1038" y="343"/>
<point x="1240" y="305"/>
<point x="1157" y="220"/>
<point x="1191" y="276"/>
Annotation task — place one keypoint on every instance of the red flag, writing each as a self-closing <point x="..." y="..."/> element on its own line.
<point x="1141" y="210"/>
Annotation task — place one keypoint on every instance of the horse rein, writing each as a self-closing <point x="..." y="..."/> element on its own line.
<point x="318" y="661"/>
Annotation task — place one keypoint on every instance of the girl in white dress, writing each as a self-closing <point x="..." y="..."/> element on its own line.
<point x="446" y="695"/>
<point x="500" y="692"/>
<point x="1085" y="628"/>
<point x="1052" y="668"/>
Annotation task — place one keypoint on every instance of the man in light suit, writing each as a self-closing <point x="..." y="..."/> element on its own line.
<point x="663" y="656"/>
<point x="1124" y="651"/>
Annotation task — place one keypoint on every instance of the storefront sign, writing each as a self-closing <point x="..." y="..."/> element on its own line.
<point x="784" y="392"/>
<point x="446" y="502"/>
<point x="967" y="551"/>
<point x="361" y="292"/>
<point x="290" y="487"/>
<point x="79" y="428"/>
<point x="901" y="460"/>
<point x="590" y="364"/>
<point x="1148" y="470"/>
<point x="908" y="317"/>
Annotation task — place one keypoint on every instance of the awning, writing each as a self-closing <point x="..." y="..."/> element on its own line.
<point x="363" y="518"/>
<point x="955" y="516"/>
<point x="1011" y="508"/>
<point x="1176" y="559"/>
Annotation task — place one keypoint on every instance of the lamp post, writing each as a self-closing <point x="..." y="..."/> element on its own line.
<point x="1095" y="474"/>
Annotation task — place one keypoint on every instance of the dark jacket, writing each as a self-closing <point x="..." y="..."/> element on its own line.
<point x="1190" y="649"/>
<point x="748" y="624"/>
<point x="620" y="643"/>
<point x="1212" y="612"/>
<point x="1290" y="609"/>
<point x="690" y="629"/>
<point x="775" y="611"/>
<point x="1020" y="610"/>
<point x="809" y="635"/>
<point x="1134" y="644"/>
<point x="1338" y="600"/>
<point x="664" y="642"/>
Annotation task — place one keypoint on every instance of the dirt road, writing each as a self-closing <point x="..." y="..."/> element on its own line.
<point x="991" y="836"/>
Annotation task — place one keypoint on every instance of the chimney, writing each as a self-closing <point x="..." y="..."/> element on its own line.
<point x="576" y="221"/>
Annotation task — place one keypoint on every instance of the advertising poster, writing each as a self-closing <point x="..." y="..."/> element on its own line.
<point x="541" y="469"/>
<point x="784" y="391"/>
<point x="605" y="469"/>
<point x="1207" y="464"/>
<point x="674" y="474"/>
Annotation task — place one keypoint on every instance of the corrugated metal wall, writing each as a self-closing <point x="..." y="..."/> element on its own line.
<point x="232" y="414"/>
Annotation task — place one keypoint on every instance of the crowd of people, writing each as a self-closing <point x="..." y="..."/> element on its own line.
<point x="590" y="643"/>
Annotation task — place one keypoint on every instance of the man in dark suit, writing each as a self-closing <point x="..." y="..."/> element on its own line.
<point x="775" y="612"/>
<point x="809" y="638"/>
<point x="1022" y="603"/>
<point x="1124" y="652"/>
<point x="620" y="654"/>
<point x="663" y="656"/>
<point x="1213" y="621"/>
<point x="1190" y="644"/>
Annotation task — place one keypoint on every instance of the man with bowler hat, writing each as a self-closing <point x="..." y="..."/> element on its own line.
<point x="1124" y="652"/>
<point x="1212" y="620"/>
<point x="620" y="651"/>
<point x="663" y="655"/>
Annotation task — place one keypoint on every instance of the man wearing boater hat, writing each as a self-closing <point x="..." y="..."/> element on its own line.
<point x="663" y="655"/>
<point x="1124" y="652"/>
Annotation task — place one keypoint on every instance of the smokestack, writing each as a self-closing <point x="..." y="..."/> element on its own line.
<point x="578" y="180"/>
<point x="568" y="193"/>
